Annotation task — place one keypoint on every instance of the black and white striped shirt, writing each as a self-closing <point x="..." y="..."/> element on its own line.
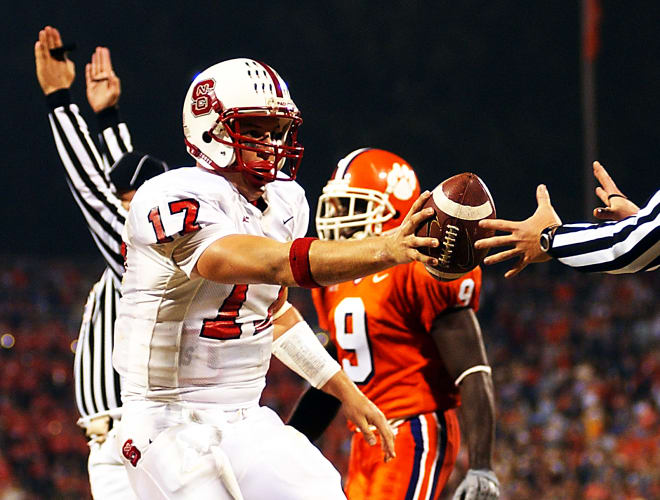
<point x="97" y="386"/>
<point x="628" y="246"/>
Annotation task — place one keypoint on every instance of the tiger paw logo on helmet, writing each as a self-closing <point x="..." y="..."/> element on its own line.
<point x="370" y="192"/>
<point x="401" y="181"/>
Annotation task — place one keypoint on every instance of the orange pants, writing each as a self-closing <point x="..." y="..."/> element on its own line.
<point x="426" y="449"/>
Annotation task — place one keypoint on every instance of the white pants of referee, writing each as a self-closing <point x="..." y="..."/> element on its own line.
<point x="107" y="475"/>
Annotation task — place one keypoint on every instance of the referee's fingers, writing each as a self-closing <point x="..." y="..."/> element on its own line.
<point x="105" y="59"/>
<point x="88" y="73"/>
<point x="543" y="195"/>
<point x="604" y="178"/>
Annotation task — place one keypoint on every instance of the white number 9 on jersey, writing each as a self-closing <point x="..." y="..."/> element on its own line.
<point x="351" y="333"/>
<point x="465" y="292"/>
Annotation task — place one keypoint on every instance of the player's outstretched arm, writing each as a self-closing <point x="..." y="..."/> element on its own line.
<point x="523" y="236"/>
<point x="253" y="259"/>
<point x="458" y="337"/>
<point x="295" y="344"/>
<point x="103" y="85"/>
<point x="617" y="205"/>
<point x="52" y="73"/>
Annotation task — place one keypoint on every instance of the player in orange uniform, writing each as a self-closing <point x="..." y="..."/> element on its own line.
<point x="412" y="344"/>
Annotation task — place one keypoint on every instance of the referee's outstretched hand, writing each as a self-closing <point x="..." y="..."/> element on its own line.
<point x="103" y="85"/>
<point x="617" y="205"/>
<point x="524" y="236"/>
<point x="53" y="74"/>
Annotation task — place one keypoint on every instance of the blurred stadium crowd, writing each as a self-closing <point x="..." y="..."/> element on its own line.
<point x="576" y="364"/>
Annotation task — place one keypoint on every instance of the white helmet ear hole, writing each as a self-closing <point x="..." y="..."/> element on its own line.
<point x="206" y="137"/>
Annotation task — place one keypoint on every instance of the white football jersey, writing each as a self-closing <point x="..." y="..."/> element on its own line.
<point x="177" y="335"/>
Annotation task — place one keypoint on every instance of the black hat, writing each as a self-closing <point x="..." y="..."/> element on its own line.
<point x="133" y="168"/>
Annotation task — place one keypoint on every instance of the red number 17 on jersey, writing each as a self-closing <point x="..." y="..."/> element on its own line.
<point x="189" y="207"/>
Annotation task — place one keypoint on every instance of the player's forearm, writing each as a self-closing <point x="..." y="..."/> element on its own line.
<point x="342" y="388"/>
<point x="253" y="259"/>
<point x="315" y="409"/>
<point x="334" y="262"/>
<point x="477" y="413"/>
<point x="247" y="259"/>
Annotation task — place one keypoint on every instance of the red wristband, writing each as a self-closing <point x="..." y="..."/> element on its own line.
<point x="299" y="262"/>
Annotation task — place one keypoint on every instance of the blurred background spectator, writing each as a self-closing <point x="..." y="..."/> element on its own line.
<point x="576" y="364"/>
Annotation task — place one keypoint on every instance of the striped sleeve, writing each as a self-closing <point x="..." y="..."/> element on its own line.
<point x="97" y="386"/>
<point x="114" y="138"/>
<point x="628" y="246"/>
<point x="102" y="210"/>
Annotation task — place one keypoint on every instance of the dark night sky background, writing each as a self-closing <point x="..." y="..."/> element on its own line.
<point x="482" y="86"/>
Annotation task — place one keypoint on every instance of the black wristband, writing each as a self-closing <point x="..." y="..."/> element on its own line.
<point x="108" y="117"/>
<point x="59" y="98"/>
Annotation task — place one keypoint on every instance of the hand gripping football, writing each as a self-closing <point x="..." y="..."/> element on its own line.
<point x="459" y="203"/>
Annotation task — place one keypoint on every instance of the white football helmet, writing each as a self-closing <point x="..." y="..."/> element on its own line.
<point x="219" y="98"/>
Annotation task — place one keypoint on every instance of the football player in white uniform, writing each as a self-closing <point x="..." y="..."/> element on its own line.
<point x="210" y="251"/>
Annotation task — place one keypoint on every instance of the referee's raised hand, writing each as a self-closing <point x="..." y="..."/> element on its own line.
<point x="617" y="205"/>
<point x="53" y="74"/>
<point x="103" y="85"/>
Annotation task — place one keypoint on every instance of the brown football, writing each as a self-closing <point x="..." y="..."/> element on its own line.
<point x="459" y="203"/>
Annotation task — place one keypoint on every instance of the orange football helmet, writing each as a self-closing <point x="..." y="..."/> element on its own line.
<point x="370" y="191"/>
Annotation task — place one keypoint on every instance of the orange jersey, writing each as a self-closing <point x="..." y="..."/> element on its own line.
<point x="381" y="326"/>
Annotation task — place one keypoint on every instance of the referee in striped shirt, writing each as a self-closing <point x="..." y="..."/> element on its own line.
<point x="102" y="185"/>
<point x="628" y="241"/>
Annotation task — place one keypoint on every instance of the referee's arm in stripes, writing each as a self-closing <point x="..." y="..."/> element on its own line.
<point x="629" y="245"/>
<point x="87" y="181"/>
<point x="114" y="138"/>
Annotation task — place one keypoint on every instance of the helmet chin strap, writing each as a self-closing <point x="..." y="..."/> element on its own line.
<point x="253" y="171"/>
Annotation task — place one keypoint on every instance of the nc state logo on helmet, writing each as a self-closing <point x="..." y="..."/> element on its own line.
<point x="370" y="191"/>
<point x="223" y="104"/>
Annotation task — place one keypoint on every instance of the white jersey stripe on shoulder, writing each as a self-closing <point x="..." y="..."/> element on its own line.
<point x="459" y="211"/>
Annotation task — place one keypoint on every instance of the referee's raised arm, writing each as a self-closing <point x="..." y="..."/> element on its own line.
<point x="91" y="189"/>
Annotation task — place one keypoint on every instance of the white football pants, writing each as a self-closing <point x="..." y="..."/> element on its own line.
<point x="107" y="474"/>
<point x="180" y="451"/>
